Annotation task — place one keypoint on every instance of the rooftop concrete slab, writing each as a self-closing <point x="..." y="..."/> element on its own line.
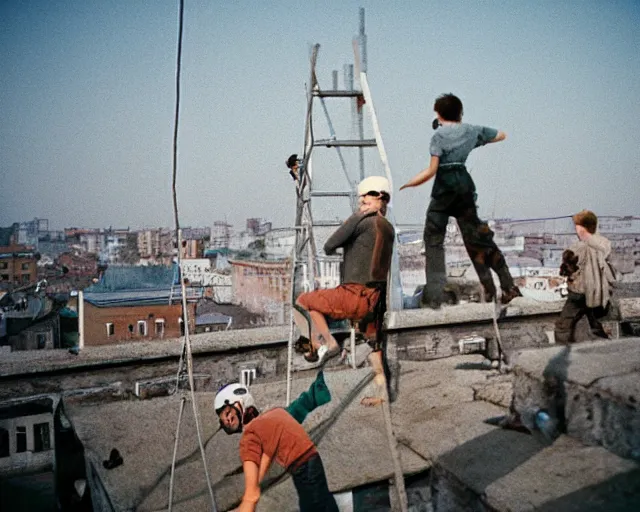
<point x="592" y="388"/>
<point x="351" y="438"/>
<point x="582" y="363"/>
<point x="505" y="471"/>
<point x="568" y="476"/>
<point x="438" y="420"/>
<point x="629" y="309"/>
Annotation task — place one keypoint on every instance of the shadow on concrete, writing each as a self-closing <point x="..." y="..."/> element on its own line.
<point x="620" y="493"/>
<point x="489" y="457"/>
<point x="555" y="375"/>
<point x="32" y="492"/>
<point x="473" y="366"/>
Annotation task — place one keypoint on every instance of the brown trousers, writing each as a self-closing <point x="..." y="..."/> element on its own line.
<point x="574" y="309"/>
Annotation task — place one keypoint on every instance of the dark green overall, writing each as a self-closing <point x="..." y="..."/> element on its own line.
<point x="454" y="195"/>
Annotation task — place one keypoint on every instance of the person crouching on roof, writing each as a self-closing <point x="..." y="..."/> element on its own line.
<point x="275" y="434"/>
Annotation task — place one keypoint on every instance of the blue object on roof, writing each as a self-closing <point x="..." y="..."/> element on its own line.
<point x="212" y="319"/>
<point x="142" y="297"/>
<point x="135" y="278"/>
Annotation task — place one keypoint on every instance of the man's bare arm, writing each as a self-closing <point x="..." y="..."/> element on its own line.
<point x="251" y="487"/>
<point x="498" y="138"/>
<point x="424" y="175"/>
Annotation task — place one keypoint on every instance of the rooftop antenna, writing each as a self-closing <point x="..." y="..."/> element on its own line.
<point x="362" y="65"/>
<point x="363" y="43"/>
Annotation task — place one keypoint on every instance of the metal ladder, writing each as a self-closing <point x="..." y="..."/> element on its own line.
<point x="306" y="271"/>
<point x="306" y="263"/>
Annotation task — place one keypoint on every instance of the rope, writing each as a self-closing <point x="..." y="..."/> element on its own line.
<point x="175" y="453"/>
<point x="186" y="348"/>
<point x="497" y="331"/>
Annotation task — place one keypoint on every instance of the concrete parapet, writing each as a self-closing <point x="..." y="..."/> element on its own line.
<point x="426" y="334"/>
<point x="472" y="312"/>
<point x="51" y="361"/>
<point x="591" y="389"/>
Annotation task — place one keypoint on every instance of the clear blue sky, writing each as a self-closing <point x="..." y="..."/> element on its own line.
<point x="87" y="98"/>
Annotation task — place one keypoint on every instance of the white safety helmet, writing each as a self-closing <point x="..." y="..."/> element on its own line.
<point x="378" y="184"/>
<point x="230" y="394"/>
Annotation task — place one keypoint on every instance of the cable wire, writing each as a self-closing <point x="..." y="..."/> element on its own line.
<point x="186" y="354"/>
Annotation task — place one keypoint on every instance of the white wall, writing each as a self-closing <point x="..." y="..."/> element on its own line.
<point x="27" y="460"/>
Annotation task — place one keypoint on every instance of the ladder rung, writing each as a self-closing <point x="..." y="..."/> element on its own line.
<point x="318" y="193"/>
<point x="354" y="143"/>
<point x="323" y="223"/>
<point x="337" y="94"/>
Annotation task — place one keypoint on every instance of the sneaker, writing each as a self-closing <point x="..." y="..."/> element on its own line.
<point x="509" y="295"/>
<point x="325" y="353"/>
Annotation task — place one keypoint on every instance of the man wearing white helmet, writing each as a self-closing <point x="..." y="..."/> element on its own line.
<point x="278" y="435"/>
<point x="366" y="238"/>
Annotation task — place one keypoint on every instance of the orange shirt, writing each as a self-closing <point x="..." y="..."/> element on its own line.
<point x="276" y="434"/>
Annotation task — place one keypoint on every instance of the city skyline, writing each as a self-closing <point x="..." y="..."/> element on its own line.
<point x="88" y="98"/>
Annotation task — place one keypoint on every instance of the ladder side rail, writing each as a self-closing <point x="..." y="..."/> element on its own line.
<point x="395" y="292"/>
<point x="312" y="263"/>
<point x="308" y="130"/>
<point x="304" y="180"/>
<point x="292" y="298"/>
<point x="303" y="235"/>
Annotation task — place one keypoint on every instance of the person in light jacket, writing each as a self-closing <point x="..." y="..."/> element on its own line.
<point x="590" y="279"/>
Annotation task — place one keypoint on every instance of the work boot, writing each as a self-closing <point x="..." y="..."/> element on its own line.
<point x="509" y="295"/>
<point x="434" y="299"/>
<point x="430" y="300"/>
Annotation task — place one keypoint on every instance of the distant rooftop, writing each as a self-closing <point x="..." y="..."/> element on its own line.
<point x="140" y="297"/>
<point x="212" y="318"/>
<point x="135" y="278"/>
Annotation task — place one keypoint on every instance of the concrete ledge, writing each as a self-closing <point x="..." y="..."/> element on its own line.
<point x="629" y="309"/>
<point x="594" y="385"/>
<point x="42" y="361"/>
<point x="37" y="361"/>
<point x="464" y="313"/>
